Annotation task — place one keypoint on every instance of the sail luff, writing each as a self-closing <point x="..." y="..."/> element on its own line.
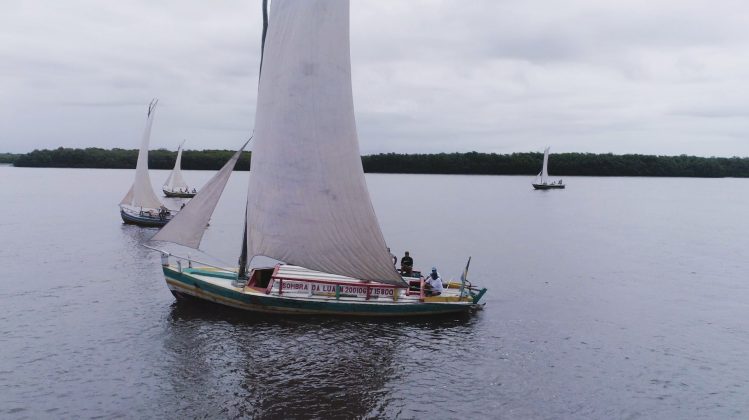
<point x="128" y="199"/>
<point x="243" y="260"/>
<point x="178" y="162"/>
<point x="243" y="257"/>
<point x="141" y="194"/>
<point x="168" y="182"/>
<point x="308" y="202"/>
<point x="187" y="226"/>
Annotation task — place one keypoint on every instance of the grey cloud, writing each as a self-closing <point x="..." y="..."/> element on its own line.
<point x="666" y="77"/>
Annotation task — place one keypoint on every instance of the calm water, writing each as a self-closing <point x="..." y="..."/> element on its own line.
<point x="616" y="298"/>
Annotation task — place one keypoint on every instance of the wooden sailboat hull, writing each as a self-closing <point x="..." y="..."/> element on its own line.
<point x="145" y="221"/>
<point x="548" y="186"/>
<point x="178" y="194"/>
<point x="218" y="287"/>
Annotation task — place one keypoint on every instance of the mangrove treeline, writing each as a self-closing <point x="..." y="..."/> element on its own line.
<point x="8" y="157"/>
<point x="125" y="159"/>
<point x="472" y="163"/>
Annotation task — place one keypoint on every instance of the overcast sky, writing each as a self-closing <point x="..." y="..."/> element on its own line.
<point x="637" y="76"/>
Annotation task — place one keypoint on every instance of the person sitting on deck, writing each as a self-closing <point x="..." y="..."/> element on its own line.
<point x="395" y="259"/>
<point x="433" y="283"/>
<point x="407" y="265"/>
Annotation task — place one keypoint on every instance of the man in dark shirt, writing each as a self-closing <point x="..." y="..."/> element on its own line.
<point x="407" y="264"/>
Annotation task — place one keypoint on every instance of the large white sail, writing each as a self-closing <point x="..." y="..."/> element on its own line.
<point x="141" y="193"/>
<point x="187" y="226"/>
<point x="176" y="182"/>
<point x="308" y="202"/>
<point x="545" y="168"/>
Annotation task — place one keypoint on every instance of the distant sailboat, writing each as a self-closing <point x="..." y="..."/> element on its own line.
<point x="542" y="179"/>
<point x="140" y="205"/>
<point x="175" y="185"/>
<point x="308" y="207"/>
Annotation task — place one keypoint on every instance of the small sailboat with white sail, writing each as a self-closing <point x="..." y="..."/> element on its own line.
<point x="140" y="206"/>
<point x="542" y="179"/>
<point x="311" y="242"/>
<point x="175" y="185"/>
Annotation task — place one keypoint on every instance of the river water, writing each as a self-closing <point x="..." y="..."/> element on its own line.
<point x="615" y="298"/>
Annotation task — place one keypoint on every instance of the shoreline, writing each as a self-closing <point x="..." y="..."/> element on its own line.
<point x="471" y="163"/>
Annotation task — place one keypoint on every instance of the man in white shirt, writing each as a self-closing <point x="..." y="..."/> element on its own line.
<point x="433" y="283"/>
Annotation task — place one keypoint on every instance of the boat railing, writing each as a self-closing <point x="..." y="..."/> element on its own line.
<point x="179" y="258"/>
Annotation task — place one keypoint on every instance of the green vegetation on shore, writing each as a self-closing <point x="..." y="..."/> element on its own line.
<point x="560" y="164"/>
<point x="8" y="157"/>
<point x="125" y="159"/>
<point x="472" y="163"/>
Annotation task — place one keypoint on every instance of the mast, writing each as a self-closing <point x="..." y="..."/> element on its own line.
<point x="242" y="274"/>
<point x="243" y="255"/>
<point x="265" y="31"/>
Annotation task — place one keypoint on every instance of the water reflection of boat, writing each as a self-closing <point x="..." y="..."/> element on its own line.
<point x="308" y="207"/>
<point x="343" y="369"/>
<point x="175" y="185"/>
<point x="141" y="206"/>
<point x="542" y="179"/>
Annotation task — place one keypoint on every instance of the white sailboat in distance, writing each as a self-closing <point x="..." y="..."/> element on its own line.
<point x="140" y="206"/>
<point x="542" y="179"/>
<point x="175" y="185"/>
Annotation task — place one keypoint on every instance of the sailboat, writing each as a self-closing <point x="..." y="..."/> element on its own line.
<point x="311" y="242"/>
<point x="175" y="185"/>
<point x="140" y="206"/>
<point x="542" y="179"/>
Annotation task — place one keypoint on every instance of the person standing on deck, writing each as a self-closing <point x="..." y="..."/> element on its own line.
<point x="407" y="264"/>
<point x="433" y="283"/>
